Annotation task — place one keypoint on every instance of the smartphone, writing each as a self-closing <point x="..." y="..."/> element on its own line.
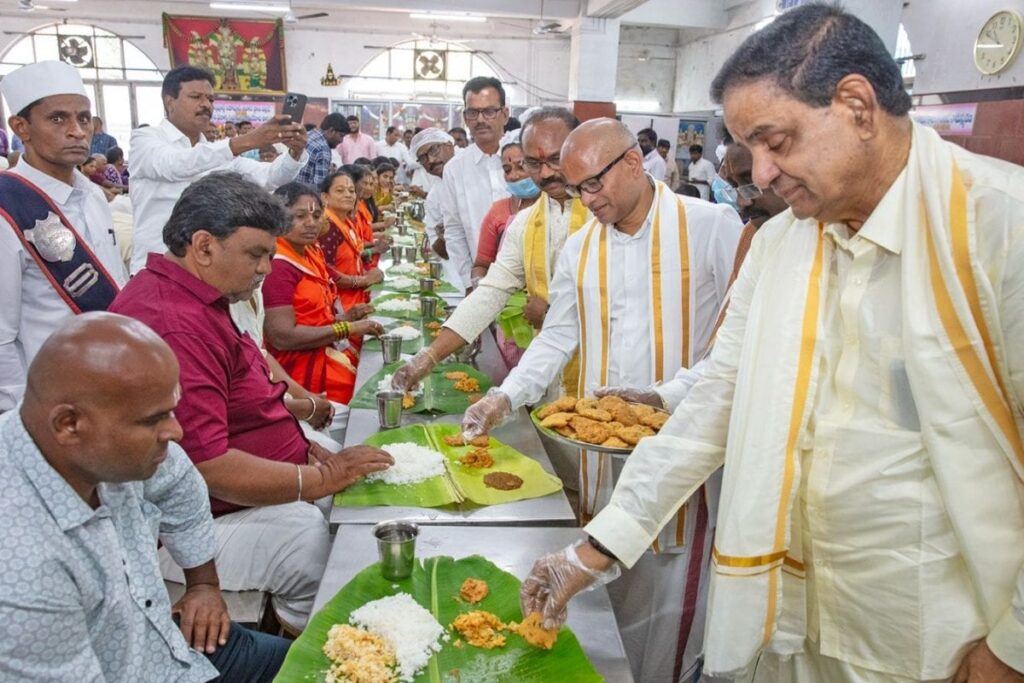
<point x="294" y="106"/>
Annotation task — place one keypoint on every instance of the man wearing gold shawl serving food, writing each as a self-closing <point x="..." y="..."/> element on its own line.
<point x="637" y="290"/>
<point x="864" y="391"/>
<point x="526" y="259"/>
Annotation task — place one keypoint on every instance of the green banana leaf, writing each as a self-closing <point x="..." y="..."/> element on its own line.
<point x="435" y="584"/>
<point x="438" y="395"/>
<point x="409" y="346"/>
<point x="512" y="322"/>
<point x="461" y="482"/>
<point x="470" y="480"/>
<point x="402" y="315"/>
<point x="431" y="493"/>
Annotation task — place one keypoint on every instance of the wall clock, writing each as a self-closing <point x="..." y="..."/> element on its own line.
<point x="998" y="42"/>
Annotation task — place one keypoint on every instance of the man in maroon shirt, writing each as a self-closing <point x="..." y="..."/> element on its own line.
<point x="261" y="471"/>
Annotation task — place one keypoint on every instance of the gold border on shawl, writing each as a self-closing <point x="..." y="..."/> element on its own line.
<point x="602" y="269"/>
<point x="578" y="217"/>
<point x="752" y="561"/>
<point x="995" y="401"/>
<point x="803" y="380"/>
<point x="684" y="281"/>
<point x="656" y="303"/>
<point x="681" y="526"/>
<point x="537" y="255"/>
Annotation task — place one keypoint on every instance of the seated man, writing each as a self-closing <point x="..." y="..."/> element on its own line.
<point x="92" y="481"/>
<point x="261" y="471"/>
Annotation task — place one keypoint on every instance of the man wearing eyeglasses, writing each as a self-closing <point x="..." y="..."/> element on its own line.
<point x="636" y="291"/>
<point x="755" y="207"/>
<point x="474" y="179"/>
<point x="526" y="260"/>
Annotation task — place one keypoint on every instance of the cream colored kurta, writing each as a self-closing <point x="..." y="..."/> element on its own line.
<point x="887" y="588"/>
<point x="507" y="275"/>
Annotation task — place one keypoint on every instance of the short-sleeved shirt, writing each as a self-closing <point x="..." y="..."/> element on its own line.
<point x="279" y="287"/>
<point x="81" y="596"/>
<point x="227" y="397"/>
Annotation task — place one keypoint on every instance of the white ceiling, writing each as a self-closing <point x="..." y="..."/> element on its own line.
<point x="383" y="13"/>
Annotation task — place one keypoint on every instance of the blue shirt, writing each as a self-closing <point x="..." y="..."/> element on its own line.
<point x="101" y="142"/>
<point x="319" y="165"/>
<point x="81" y="595"/>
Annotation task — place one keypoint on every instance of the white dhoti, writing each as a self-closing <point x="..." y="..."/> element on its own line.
<point x="278" y="549"/>
<point x="810" y="666"/>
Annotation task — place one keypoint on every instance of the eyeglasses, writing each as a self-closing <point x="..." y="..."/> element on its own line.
<point x="429" y="154"/>
<point x="534" y="165"/>
<point x="593" y="184"/>
<point x="489" y="113"/>
<point x="747" y="192"/>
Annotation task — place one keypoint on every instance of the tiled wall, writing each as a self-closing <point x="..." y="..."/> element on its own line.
<point x="998" y="131"/>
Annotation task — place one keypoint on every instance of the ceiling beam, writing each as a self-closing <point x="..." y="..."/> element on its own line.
<point x="549" y="9"/>
<point x="676" y="14"/>
<point x="611" y="9"/>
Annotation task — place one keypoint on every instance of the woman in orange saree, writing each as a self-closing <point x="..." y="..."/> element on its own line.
<point x="343" y="243"/>
<point x="305" y="330"/>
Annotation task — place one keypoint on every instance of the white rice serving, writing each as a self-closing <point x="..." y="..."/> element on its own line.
<point x="385" y="385"/>
<point x="410" y="630"/>
<point x="413" y="463"/>
<point x="404" y="269"/>
<point x="406" y="333"/>
<point x="402" y="282"/>
<point x="398" y="305"/>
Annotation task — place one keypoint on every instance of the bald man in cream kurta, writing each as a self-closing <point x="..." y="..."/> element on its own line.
<point x="649" y="604"/>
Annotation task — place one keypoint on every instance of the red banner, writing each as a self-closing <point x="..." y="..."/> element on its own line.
<point x="245" y="56"/>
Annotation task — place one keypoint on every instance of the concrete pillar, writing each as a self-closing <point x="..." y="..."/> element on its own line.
<point x="593" y="62"/>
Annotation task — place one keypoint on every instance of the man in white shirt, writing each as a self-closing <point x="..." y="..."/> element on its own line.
<point x="542" y="144"/>
<point x="432" y="149"/>
<point x="355" y="145"/>
<point x="474" y="180"/>
<point x="864" y="391"/>
<point x="637" y="292"/>
<point x="701" y="171"/>
<point x="53" y="119"/>
<point x="654" y="163"/>
<point x="168" y="157"/>
<point x="393" y="148"/>
<point x="671" y="167"/>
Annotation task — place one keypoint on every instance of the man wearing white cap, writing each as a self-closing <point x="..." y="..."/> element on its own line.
<point x="57" y="252"/>
<point x="432" y="148"/>
<point x="168" y="157"/>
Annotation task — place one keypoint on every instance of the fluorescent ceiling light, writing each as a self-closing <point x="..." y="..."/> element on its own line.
<point x="432" y="16"/>
<point x="250" y="7"/>
<point x="637" y="105"/>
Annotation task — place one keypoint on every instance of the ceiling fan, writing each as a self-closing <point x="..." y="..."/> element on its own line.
<point x="29" y="6"/>
<point x="544" y="26"/>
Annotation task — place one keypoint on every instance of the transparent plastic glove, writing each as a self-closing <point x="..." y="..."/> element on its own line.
<point x="486" y="414"/>
<point x="633" y="395"/>
<point x="555" y="579"/>
<point x="409" y="375"/>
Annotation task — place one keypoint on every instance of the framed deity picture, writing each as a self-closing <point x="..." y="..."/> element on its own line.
<point x="244" y="55"/>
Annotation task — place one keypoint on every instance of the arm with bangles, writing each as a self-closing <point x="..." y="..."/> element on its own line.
<point x="283" y="333"/>
<point x="245" y="479"/>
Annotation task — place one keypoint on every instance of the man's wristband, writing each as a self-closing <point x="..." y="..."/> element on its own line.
<point x="596" y="545"/>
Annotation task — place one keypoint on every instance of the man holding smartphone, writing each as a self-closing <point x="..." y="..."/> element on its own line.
<point x="168" y="157"/>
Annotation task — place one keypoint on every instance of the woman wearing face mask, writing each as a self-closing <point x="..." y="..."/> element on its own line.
<point x="524" y="193"/>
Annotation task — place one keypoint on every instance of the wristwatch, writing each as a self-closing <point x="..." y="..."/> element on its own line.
<point x="596" y="545"/>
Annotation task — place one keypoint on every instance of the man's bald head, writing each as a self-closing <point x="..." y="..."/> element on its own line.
<point x="97" y="356"/>
<point x="602" y="159"/>
<point x="100" y="401"/>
